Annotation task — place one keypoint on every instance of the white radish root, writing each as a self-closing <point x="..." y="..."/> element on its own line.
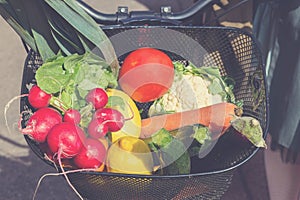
<point x="7" y="107"/>
<point x="64" y="173"/>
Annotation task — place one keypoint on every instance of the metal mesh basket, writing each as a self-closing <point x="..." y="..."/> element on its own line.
<point x="236" y="54"/>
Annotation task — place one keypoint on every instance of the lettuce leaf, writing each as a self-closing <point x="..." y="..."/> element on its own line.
<point x="72" y="77"/>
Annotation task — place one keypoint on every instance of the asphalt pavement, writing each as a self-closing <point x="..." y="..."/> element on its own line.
<point x="20" y="168"/>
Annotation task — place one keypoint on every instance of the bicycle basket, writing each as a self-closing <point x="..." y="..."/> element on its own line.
<point x="236" y="54"/>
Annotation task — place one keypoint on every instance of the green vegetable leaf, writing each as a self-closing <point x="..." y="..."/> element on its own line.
<point x="218" y="84"/>
<point x="72" y="77"/>
<point x="250" y="127"/>
<point x="66" y="98"/>
<point x="162" y="138"/>
<point x="85" y="25"/>
<point x="116" y="101"/>
<point x="197" y="139"/>
<point x="94" y="75"/>
<point x="215" y="87"/>
<point x="42" y="45"/>
<point x="22" y="15"/>
<point x="201" y="134"/>
<point x="86" y="115"/>
<point x="66" y="45"/>
<point x="40" y="29"/>
<point x="51" y="77"/>
<point x="181" y="165"/>
<point x="51" y="26"/>
<point x="172" y="154"/>
<point x="16" y="17"/>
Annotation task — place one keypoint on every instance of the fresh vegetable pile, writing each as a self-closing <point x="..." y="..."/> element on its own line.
<point x="85" y="117"/>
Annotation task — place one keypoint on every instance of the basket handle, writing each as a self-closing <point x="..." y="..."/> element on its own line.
<point x="122" y="16"/>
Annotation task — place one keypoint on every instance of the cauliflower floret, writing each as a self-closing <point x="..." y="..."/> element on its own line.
<point x="187" y="92"/>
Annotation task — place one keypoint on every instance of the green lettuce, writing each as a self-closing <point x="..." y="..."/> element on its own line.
<point x="72" y="77"/>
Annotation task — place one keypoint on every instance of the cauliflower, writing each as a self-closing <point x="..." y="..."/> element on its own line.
<point x="193" y="88"/>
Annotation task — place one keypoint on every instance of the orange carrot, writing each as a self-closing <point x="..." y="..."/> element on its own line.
<point x="216" y="117"/>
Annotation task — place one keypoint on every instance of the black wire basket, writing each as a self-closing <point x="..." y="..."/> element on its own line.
<point x="236" y="53"/>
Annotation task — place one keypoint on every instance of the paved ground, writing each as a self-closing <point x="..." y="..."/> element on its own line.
<point x="20" y="169"/>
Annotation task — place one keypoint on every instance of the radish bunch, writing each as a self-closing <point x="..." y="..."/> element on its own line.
<point x="59" y="129"/>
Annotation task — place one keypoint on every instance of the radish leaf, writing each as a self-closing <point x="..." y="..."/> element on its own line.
<point x="72" y="77"/>
<point x="51" y="76"/>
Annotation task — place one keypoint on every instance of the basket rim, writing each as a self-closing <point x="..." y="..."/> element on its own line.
<point x="234" y="29"/>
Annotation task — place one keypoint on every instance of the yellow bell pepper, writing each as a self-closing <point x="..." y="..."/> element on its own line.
<point x="129" y="109"/>
<point x="129" y="155"/>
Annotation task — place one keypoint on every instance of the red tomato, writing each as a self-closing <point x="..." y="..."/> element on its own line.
<point x="146" y="74"/>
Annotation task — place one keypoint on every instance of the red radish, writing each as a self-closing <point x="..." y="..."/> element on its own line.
<point x="73" y="116"/>
<point x="97" y="97"/>
<point x="92" y="155"/>
<point x="62" y="139"/>
<point x="97" y="128"/>
<point x="52" y="157"/>
<point x="41" y="122"/>
<point x="113" y="119"/>
<point x="38" y="98"/>
<point x="65" y="139"/>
